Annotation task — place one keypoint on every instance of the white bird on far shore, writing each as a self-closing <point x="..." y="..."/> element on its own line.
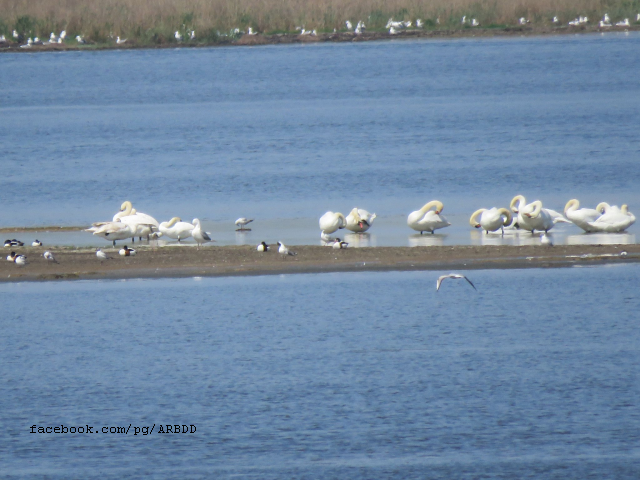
<point x="120" y="41"/>
<point x="453" y="275"/>
<point x="283" y="250"/>
<point x="545" y="239"/>
<point x="48" y="256"/>
<point x="36" y="243"/>
<point x="241" y="222"/>
<point x="101" y="255"/>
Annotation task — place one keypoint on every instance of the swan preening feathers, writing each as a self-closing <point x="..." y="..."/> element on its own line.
<point x="491" y="220"/>
<point x="428" y="218"/>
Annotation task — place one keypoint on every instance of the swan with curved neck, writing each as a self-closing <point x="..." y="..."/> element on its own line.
<point x="613" y="219"/>
<point x="491" y="220"/>
<point x="581" y="216"/>
<point x="176" y="229"/>
<point x="519" y="202"/>
<point x="114" y="230"/>
<point x="330" y="222"/>
<point x="145" y="224"/>
<point x="359" y="220"/>
<point x="532" y="216"/>
<point x="428" y="218"/>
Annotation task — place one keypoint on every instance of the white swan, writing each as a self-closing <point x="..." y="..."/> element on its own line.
<point x="519" y="202"/>
<point x="331" y="222"/>
<point x="199" y="235"/>
<point x="531" y="216"/>
<point x="113" y="230"/>
<point x="581" y="216"/>
<point x="176" y="229"/>
<point x="428" y="218"/>
<point x="492" y="219"/>
<point x="613" y="219"/>
<point x="359" y="220"/>
<point x="145" y="224"/>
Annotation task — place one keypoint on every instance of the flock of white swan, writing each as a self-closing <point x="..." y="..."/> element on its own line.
<point x="521" y="216"/>
<point x="129" y="223"/>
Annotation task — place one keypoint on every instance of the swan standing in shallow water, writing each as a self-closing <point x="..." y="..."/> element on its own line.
<point x="330" y="222"/>
<point x="491" y="220"/>
<point x="613" y="219"/>
<point x="145" y="224"/>
<point x="533" y="217"/>
<point x="428" y="218"/>
<point x="359" y="220"/>
<point x="581" y="216"/>
<point x="113" y="230"/>
<point x="519" y="200"/>
<point x="176" y="229"/>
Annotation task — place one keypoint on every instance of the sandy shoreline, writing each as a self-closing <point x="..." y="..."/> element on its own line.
<point x="288" y="38"/>
<point x="170" y="261"/>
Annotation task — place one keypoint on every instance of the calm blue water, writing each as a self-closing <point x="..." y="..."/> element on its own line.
<point x="362" y="375"/>
<point x="286" y="133"/>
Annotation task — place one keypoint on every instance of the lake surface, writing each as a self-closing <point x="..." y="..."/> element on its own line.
<point x="363" y="375"/>
<point x="285" y="133"/>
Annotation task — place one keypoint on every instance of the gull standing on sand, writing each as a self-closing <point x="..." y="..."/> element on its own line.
<point x="48" y="256"/>
<point x="453" y="275"/>
<point x="101" y="255"/>
<point x="283" y="250"/>
<point x="241" y="222"/>
<point x="199" y="235"/>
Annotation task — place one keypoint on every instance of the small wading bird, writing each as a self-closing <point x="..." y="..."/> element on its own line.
<point x="283" y="250"/>
<point x="48" y="256"/>
<point x="101" y="255"/>
<point x="453" y="275"/>
<point x="241" y="222"/>
<point x="263" y="247"/>
<point x="127" y="252"/>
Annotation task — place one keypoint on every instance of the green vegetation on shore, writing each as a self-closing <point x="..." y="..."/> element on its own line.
<point x="154" y="22"/>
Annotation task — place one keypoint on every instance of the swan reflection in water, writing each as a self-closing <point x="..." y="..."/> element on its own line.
<point x="431" y="240"/>
<point x="358" y="240"/>
<point x="601" y="239"/>
<point x="480" y="237"/>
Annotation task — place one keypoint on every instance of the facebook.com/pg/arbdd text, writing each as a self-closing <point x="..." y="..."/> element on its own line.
<point x="137" y="430"/>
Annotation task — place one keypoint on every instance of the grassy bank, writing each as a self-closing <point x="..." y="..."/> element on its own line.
<point x="148" y="22"/>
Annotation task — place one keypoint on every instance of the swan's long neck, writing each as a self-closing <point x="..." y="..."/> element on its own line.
<point x="537" y="208"/>
<point x="517" y="201"/>
<point x="126" y="208"/>
<point x="356" y="215"/>
<point x="343" y="221"/>
<point x="507" y="216"/>
<point x="472" y="221"/>
<point x="172" y="222"/>
<point x="571" y="205"/>
<point x="433" y="204"/>
<point x="603" y="207"/>
<point x="625" y="209"/>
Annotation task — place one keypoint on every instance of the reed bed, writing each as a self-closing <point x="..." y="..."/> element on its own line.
<point x="155" y="21"/>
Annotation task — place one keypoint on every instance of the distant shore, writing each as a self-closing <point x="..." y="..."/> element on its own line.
<point x="187" y="261"/>
<point x="289" y="38"/>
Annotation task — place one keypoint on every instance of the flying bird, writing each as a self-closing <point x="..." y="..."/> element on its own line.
<point x="453" y="275"/>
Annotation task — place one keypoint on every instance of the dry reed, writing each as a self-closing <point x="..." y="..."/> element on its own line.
<point x="149" y="21"/>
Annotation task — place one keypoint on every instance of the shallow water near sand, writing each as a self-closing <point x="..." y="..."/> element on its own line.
<point x="285" y="133"/>
<point x="360" y="375"/>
